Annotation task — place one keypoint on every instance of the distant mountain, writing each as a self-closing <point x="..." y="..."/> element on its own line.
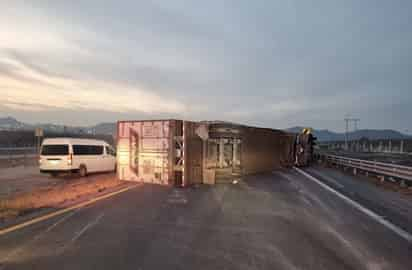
<point x="321" y="134"/>
<point x="373" y="134"/>
<point x="105" y="128"/>
<point x="10" y="123"/>
<point x="325" y="135"/>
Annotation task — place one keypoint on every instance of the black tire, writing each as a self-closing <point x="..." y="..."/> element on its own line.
<point x="83" y="171"/>
<point x="54" y="174"/>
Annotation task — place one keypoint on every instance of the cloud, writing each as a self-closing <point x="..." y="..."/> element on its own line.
<point x="266" y="63"/>
<point x="29" y="89"/>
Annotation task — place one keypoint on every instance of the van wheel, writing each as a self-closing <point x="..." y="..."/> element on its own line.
<point x="83" y="171"/>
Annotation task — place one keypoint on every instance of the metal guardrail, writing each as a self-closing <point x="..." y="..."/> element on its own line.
<point x="10" y="151"/>
<point x="20" y="156"/>
<point x="12" y="156"/>
<point x="17" y="148"/>
<point x="380" y="168"/>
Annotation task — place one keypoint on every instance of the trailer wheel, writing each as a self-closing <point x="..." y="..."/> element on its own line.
<point x="83" y="171"/>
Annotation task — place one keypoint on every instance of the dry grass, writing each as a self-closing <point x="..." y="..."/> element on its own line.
<point x="54" y="196"/>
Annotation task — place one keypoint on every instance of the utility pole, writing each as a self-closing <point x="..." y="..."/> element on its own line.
<point x="346" y="133"/>
<point x="355" y="122"/>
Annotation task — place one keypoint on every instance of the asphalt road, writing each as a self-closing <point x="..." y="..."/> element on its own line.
<point x="272" y="221"/>
<point x="394" y="206"/>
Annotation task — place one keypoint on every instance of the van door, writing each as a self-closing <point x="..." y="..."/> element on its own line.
<point x="110" y="159"/>
<point x="92" y="156"/>
<point x="55" y="157"/>
<point x="98" y="159"/>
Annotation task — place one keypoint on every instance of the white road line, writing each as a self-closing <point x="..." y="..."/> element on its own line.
<point x="399" y="231"/>
<point x="61" y="220"/>
<point x="331" y="180"/>
<point x="88" y="226"/>
<point x="62" y="211"/>
<point x="37" y="237"/>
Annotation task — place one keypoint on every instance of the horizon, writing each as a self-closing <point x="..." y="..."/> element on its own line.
<point x="268" y="64"/>
<point x="406" y="132"/>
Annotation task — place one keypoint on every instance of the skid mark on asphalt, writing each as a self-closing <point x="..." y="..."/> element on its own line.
<point x="79" y="233"/>
<point x="310" y="198"/>
<point x="328" y="179"/>
<point x="368" y="261"/>
<point x="87" y="227"/>
<point x="282" y="259"/>
<point x="177" y="196"/>
<point x="219" y="193"/>
<point x="256" y="253"/>
<point x="12" y="255"/>
<point x="212" y="256"/>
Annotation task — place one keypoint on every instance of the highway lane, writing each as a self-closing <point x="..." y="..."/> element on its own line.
<point x="268" y="221"/>
<point x="394" y="206"/>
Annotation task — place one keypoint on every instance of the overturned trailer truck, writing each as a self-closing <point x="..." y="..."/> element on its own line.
<point x="177" y="152"/>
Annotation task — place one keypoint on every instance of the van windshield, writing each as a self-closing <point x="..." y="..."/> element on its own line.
<point x="55" y="150"/>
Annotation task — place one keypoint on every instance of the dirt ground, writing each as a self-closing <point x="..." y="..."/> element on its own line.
<point x="22" y="179"/>
<point x="24" y="189"/>
<point x="8" y="162"/>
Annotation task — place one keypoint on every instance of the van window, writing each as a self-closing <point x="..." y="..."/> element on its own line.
<point x="110" y="151"/>
<point x="96" y="150"/>
<point x="87" y="150"/>
<point x="55" y="150"/>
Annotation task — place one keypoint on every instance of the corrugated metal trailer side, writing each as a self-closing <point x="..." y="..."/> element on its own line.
<point x="183" y="152"/>
<point x="265" y="149"/>
<point x="145" y="150"/>
<point x="159" y="151"/>
<point x="234" y="150"/>
<point x="193" y="154"/>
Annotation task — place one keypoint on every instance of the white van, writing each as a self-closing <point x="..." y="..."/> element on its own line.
<point x="76" y="155"/>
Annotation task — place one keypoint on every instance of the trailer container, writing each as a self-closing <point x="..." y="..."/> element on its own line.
<point x="183" y="152"/>
<point x="235" y="150"/>
<point x="159" y="151"/>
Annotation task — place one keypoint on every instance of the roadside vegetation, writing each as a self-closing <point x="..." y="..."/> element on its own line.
<point x="56" y="196"/>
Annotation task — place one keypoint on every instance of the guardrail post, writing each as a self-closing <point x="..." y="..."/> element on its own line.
<point x="383" y="171"/>
<point x="11" y="161"/>
<point x="402" y="184"/>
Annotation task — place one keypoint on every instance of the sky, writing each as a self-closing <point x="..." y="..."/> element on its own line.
<point x="265" y="63"/>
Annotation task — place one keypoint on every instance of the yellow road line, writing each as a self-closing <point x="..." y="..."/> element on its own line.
<point x="62" y="211"/>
